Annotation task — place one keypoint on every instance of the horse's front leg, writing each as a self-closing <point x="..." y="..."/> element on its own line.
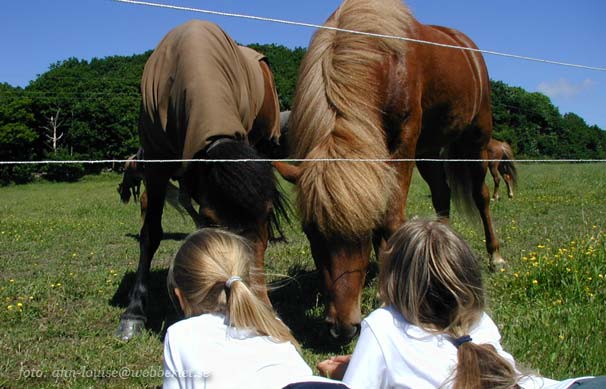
<point x="257" y="277"/>
<point x="396" y="211"/>
<point x="434" y="175"/>
<point x="134" y="317"/>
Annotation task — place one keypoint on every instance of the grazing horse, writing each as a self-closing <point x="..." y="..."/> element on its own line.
<point x="205" y="97"/>
<point x="501" y="162"/>
<point x="373" y="99"/>
<point x="177" y="197"/>
<point x="131" y="179"/>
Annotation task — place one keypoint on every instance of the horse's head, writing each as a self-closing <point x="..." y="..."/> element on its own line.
<point x="124" y="192"/>
<point x="343" y="264"/>
<point x="242" y="197"/>
<point x="341" y="255"/>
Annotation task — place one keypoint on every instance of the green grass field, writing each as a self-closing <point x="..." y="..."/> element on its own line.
<point x="68" y="253"/>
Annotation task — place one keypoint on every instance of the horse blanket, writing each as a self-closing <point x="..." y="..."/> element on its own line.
<point x="198" y="84"/>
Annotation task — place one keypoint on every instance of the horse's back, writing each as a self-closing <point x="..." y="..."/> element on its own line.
<point x="456" y="86"/>
<point x="198" y="83"/>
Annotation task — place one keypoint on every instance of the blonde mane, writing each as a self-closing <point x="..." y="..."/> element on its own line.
<point x="337" y="114"/>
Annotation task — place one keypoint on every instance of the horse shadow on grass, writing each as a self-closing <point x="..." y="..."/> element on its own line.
<point x="299" y="302"/>
<point x="161" y="312"/>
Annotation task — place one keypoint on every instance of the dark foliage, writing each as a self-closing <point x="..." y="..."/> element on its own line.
<point x="98" y="104"/>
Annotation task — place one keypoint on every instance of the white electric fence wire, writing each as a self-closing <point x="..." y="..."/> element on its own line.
<point x="311" y="25"/>
<point x="296" y="160"/>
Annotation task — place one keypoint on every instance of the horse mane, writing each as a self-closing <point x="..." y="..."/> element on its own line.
<point x="241" y="191"/>
<point x="337" y="114"/>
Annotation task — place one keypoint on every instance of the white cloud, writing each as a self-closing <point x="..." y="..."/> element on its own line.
<point x="565" y="88"/>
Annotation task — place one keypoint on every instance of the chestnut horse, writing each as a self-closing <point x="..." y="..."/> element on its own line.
<point x="205" y="97"/>
<point x="501" y="163"/>
<point x="374" y="99"/>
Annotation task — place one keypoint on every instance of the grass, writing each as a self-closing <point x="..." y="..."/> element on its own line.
<point x="68" y="253"/>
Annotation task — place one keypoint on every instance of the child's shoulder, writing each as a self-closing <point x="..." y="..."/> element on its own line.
<point x="384" y="313"/>
<point x="197" y="324"/>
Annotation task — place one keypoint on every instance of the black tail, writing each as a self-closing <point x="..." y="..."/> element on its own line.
<point x="242" y="190"/>
<point x="460" y="179"/>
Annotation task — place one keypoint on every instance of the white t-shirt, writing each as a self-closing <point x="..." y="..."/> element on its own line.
<point x="392" y="353"/>
<point x="203" y="352"/>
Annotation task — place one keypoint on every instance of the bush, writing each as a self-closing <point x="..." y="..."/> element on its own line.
<point x="19" y="174"/>
<point x="63" y="172"/>
<point x="23" y="174"/>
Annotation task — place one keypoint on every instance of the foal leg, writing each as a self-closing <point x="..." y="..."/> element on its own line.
<point x="509" y="182"/>
<point x="495" y="177"/>
<point x="133" y="319"/>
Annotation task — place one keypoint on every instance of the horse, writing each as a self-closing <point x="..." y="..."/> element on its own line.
<point x="501" y="163"/>
<point x="176" y="196"/>
<point x="131" y="179"/>
<point x="380" y="103"/>
<point x="206" y="98"/>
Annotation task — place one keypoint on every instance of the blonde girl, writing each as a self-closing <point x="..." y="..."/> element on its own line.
<point x="229" y="338"/>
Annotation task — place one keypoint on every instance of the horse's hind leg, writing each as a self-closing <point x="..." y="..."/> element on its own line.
<point x="133" y="319"/>
<point x="509" y="182"/>
<point x="495" y="177"/>
<point x="481" y="197"/>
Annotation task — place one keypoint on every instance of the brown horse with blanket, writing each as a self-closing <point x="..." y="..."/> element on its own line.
<point x="205" y="97"/>
<point x="373" y="99"/>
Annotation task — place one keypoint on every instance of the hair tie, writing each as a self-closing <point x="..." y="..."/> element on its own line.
<point x="231" y="280"/>
<point x="463" y="339"/>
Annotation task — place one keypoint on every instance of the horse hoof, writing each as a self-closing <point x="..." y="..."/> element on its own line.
<point x="497" y="267"/>
<point x="128" y="328"/>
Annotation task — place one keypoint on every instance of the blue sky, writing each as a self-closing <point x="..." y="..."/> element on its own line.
<point x="36" y="33"/>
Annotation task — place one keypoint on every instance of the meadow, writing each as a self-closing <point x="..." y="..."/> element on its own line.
<point x="68" y="253"/>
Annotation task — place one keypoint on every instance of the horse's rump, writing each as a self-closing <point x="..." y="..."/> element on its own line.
<point x="507" y="165"/>
<point x="198" y="84"/>
<point x="338" y="114"/>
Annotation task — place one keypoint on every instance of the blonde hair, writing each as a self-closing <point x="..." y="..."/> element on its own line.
<point x="431" y="276"/>
<point x="200" y="269"/>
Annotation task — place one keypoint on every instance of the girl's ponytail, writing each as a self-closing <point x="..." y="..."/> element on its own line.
<point x="480" y="366"/>
<point x="246" y="310"/>
<point x="212" y="269"/>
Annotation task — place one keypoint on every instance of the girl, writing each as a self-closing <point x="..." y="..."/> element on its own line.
<point x="230" y="338"/>
<point x="432" y="331"/>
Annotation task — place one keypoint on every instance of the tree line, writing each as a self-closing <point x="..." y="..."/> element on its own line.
<point x="82" y="109"/>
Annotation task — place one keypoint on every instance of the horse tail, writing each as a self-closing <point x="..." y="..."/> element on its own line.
<point x="507" y="165"/>
<point x="337" y="114"/>
<point x="242" y="191"/>
<point x="460" y="180"/>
